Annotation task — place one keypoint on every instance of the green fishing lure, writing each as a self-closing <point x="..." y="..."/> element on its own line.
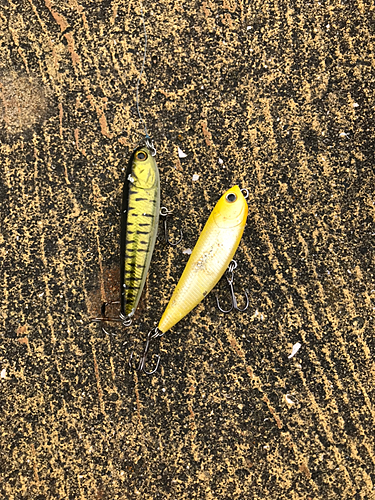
<point x="139" y="227"/>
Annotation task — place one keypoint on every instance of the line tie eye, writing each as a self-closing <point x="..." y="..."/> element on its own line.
<point x="141" y="155"/>
<point x="231" y="197"/>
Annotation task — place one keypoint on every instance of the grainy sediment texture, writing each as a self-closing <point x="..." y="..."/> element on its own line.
<point x="275" y="96"/>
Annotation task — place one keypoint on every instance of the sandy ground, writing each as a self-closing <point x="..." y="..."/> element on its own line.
<point x="277" y="97"/>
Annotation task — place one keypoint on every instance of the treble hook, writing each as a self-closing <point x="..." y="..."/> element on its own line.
<point x="152" y="334"/>
<point x="122" y="319"/>
<point x="164" y="212"/>
<point x="230" y="278"/>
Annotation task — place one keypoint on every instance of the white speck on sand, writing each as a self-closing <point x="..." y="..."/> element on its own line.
<point x="288" y="400"/>
<point x="295" y="349"/>
<point x="181" y="154"/>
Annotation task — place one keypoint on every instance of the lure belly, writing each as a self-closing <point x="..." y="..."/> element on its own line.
<point x="212" y="253"/>
<point x="139" y="225"/>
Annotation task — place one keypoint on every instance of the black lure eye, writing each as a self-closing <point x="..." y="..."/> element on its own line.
<point x="231" y="197"/>
<point x="141" y="155"/>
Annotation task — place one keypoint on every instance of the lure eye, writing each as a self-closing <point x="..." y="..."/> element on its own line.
<point x="231" y="197"/>
<point x="141" y="156"/>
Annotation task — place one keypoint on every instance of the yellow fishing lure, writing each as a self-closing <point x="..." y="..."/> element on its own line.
<point x="139" y="226"/>
<point x="208" y="261"/>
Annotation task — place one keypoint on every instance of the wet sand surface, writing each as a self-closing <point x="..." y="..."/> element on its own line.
<point x="277" y="97"/>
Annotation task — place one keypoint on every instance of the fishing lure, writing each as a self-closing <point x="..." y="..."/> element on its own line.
<point x="139" y="225"/>
<point x="208" y="261"/>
